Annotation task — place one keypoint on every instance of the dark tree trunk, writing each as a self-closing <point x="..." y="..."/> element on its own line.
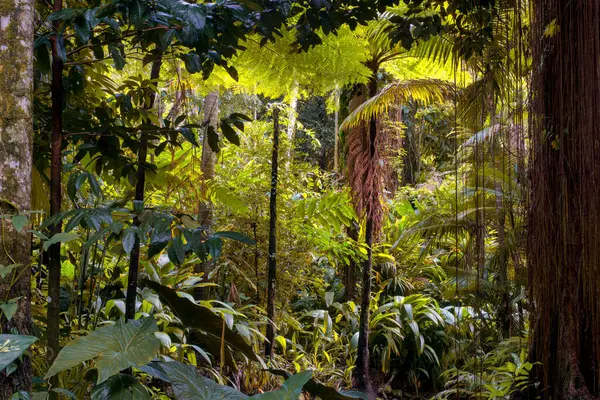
<point x="134" y="258"/>
<point x="362" y="376"/>
<point x="351" y="269"/>
<point x="16" y="131"/>
<point x="272" y="239"/>
<point x="54" y="264"/>
<point x="336" y="132"/>
<point x="256" y="256"/>
<point x="564" y="214"/>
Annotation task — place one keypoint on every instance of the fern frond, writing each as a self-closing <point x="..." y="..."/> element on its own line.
<point x="438" y="49"/>
<point x="425" y="91"/>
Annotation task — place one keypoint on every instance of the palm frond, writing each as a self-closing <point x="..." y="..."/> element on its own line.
<point x="425" y="91"/>
<point x="437" y="49"/>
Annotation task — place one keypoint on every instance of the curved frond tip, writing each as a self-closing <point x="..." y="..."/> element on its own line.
<point x="425" y="91"/>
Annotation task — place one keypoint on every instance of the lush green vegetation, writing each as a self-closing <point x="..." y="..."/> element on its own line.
<point x="275" y="199"/>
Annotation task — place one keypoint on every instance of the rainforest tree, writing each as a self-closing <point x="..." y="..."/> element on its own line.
<point x="563" y="242"/>
<point x="16" y="123"/>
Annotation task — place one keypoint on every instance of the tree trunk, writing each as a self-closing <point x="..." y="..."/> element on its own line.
<point x="363" y="380"/>
<point x="350" y="272"/>
<point x="134" y="258"/>
<point x="209" y="157"/>
<point x="336" y="132"/>
<point x="54" y="264"/>
<point x="564" y="214"/>
<point x="208" y="163"/>
<point x="412" y="156"/>
<point x="272" y="238"/>
<point x="16" y="130"/>
<point x="291" y="128"/>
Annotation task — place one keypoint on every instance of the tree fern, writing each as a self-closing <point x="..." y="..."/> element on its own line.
<point x="426" y="91"/>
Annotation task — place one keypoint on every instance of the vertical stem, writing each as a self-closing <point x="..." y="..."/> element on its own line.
<point x="350" y="274"/>
<point x="93" y="279"/>
<point x="256" y="263"/>
<point x="272" y="238"/>
<point x="55" y="200"/>
<point x="85" y="255"/>
<point x="411" y="148"/>
<point x="291" y="128"/>
<point x="134" y="259"/>
<point x="336" y="147"/>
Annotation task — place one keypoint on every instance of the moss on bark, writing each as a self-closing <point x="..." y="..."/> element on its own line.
<point x="16" y="128"/>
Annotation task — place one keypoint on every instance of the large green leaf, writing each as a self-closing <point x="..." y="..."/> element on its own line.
<point x="116" y="347"/>
<point x="240" y="237"/>
<point x="188" y="384"/>
<point x="60" y="237"/>
<point x="120" y="387"/>
<point x="12" y="346"/>
<point x="290" y="390"/>
<point x="201" y="318"/>
<point x="322" y="391"/>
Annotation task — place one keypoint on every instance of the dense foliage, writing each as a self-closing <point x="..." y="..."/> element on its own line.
<point x="275" y="199"/>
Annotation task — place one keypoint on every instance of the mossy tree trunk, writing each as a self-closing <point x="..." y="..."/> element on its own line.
<point x="208" y="164"/>
<point x="16" y="130"/>
<point x="209" y="156"/>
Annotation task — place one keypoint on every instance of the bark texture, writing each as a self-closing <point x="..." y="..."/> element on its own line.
<point x="208" y="164"/>
<point x="564" y="214"/>
<point x="16" y="130"/>
<point x="365" y="177"/>
<point x="209" y="157"/>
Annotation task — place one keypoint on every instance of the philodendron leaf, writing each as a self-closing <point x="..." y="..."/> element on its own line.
<point x="290" y="390"/>
<point x="116" y="348"/>
<point x="12" y="346"/>
<point x="5" y="270"/>
<point x="320" y="390"/>
<point x="9" y="308"/>
<point x="120" y="387"/>
<point x="20" y="222"/>
<point x="188" y="384"/>
<point x="201" y="318"/>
